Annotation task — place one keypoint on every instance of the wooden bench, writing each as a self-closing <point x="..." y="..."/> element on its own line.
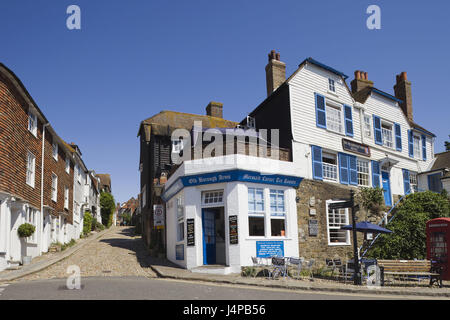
<point x="410" y="268"/>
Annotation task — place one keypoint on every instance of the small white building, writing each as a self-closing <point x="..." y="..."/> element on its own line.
<point x="224" y="217"/>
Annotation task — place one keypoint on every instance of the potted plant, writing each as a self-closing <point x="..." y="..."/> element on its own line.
<point x="26" y="230"/>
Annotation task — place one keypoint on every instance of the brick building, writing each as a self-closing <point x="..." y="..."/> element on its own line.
<point x="36" y="176"/>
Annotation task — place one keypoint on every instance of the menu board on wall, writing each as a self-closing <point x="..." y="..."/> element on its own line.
<point x="313" y="227"/>
<point x="190" y="232"/>
<point x="233" y="230"/>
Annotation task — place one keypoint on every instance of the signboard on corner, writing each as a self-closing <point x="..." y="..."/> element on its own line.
<point x="158" y="216"/>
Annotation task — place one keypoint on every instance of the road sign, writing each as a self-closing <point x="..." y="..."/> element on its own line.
<point x="158" y="215"/>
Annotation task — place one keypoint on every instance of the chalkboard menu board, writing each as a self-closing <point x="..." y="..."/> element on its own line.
<point x="190" y="232"/>
<point x="233" y="230"/>
<point x="313" y="227"/>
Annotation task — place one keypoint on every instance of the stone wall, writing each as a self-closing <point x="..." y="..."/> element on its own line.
<point x="311" y="205"/>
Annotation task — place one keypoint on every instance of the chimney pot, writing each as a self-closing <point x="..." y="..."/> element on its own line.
<point x="361" y="81"/>
<point x="404" y="76"/>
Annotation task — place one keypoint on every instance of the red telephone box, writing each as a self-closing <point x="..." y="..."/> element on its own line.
<point x="438" y="240"/>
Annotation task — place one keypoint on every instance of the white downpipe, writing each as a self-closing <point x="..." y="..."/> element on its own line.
<point x="41" y="224"/>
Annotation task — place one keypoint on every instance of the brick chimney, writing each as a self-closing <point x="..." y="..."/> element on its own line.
<point x="214" y="109"/>
<point x="402" y="91"/>
<point x="275" y="72"/>
<point x="360" y="82"/>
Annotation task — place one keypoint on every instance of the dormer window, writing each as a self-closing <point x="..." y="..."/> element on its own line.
<point x="331" y="85"/>
<point x="177" y="145"/>
<point x="32" y="122"/>
<point x="251" y="123"/>
<point x="55" y="150"/>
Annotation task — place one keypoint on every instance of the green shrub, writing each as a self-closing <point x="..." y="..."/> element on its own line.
<point x="67" y="245"/>
<point x="248" y="271"/>
<point x="107" y="207"/>
<point x="408" y="240"/>
<point x="26" y="230"/>
<point x="87" y="223"/>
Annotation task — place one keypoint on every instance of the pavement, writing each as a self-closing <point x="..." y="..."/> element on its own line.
<point x="48" y="259"/>
<point x="118" y="252"/>
<point x="165" y="269"/>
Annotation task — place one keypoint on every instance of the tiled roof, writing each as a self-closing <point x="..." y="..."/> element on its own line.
<point x="442" y="161"/>
<point x="165" y="122"/>
<point x="105" y="179"/>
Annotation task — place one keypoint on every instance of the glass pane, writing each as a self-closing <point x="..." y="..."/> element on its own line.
<point x="256" y="226"/>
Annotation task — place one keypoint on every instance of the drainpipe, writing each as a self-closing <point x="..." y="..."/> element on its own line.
<point x="42" y="185"/>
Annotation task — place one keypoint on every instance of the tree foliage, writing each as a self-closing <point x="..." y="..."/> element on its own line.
<point x="408" y="240"/>
<point x="87" y="223"/>
<point x="107" y="207"/>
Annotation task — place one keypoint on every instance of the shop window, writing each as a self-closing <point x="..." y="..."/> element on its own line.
<point x="256" y="212"/>
<point x="255" y="200"/>
<point x="277" y="213"/>
<point x="180" y="219"/>
<point x="256" y="226"/>
<point x="212" y="197"/>
<point x="278" y="227"/>
<point x="336" y="219"/>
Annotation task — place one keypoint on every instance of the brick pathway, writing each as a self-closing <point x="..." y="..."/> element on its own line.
<point x="118" y="253"/>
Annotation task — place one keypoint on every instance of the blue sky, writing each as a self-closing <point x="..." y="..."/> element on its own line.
<point x="132" y="59"/>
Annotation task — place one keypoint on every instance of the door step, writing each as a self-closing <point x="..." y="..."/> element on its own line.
<point x="215" y="269"/>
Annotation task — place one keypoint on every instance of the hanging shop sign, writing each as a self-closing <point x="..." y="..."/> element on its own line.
<point x="158" y="216"/>
<point x="355" y="147"/>
<point x="268" y="249"/>
<point x="229" y="176"/>
<point x="190" y="232"/>
<point x="233" y="224"/>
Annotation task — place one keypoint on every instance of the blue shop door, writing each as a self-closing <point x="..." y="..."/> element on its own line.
<point x="209" y="236"/>
<point x="386" y="188"/>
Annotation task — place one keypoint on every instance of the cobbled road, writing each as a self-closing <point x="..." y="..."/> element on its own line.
<point x="118" y="253"/>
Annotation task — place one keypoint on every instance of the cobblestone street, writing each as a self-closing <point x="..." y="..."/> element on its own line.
<point x="118" y="253"/>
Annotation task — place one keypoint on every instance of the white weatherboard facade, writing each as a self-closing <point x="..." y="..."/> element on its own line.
<point x="189" y="203"/>
<point x="311" y="80"/>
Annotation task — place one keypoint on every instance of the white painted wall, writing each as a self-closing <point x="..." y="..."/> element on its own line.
<point x="312" y="79"/>
<point x="235" y="203"/>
